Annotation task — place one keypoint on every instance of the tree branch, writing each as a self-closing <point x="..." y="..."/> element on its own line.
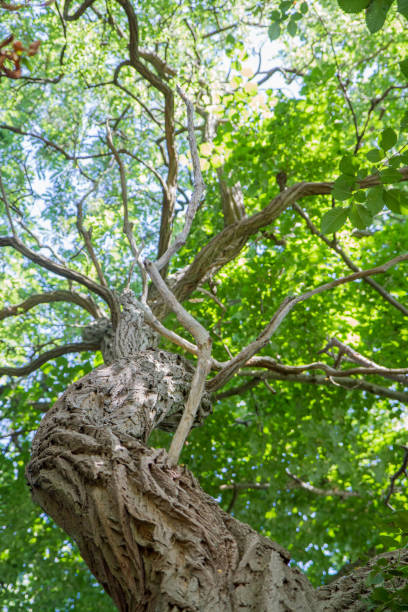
<point x="203" y="367"/>
<point x="127" y="226"/>
<point x="86" y="235"/>
<point x="61" y="270"/>
<point x="226" y="245"/>
<point x="401" y="471"/>
<point x="330" y="381"/>
<point x="317" y="491"/>
<point x="59" y="295"/>
<point x="231" y="366"/>
<point x="47" y="356"/>
<point x="335" y="247"/>
<point x="198" y="190"/>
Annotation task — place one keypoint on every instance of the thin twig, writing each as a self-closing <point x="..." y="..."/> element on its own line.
<point x="198" y="189"/>
<point x="402" y="470"/>
<point x="335" y="247"/>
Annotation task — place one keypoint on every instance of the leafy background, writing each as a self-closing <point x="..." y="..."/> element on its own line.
<point x="329" y="437"/>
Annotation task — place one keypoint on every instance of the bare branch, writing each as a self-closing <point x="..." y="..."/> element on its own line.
<point x="80" y="10"/>
<point x="330" y="381"/>
<point x="47" y="356"/>
<point x="60" y="295"/>
<point x="401" y="471"/>
<point x="203" y="367"/>
<point x="254" y="382"/>
<point x="7" y="205"/>
<point x="127" y="226"/>
<point x="61" y="270"/>
<point x="230" y="367"/>
<point x="198" y="190"/>
<point x="317" y="491"/>
<point x="233" y="365"/>
<point x="244" y="486"/>
<point x="87" y="237"/>
<point x="399" y="375"/>
<point x="193" y="401"/>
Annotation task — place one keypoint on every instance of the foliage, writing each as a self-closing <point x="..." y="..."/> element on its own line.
<point x="317" y="456"/>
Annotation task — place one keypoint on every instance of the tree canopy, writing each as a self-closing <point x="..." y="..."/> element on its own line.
<point x="301" y="126"/>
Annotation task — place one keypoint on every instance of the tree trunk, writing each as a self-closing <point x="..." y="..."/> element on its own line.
<point x="151" y="536"/>
<point x="148" y="532"/>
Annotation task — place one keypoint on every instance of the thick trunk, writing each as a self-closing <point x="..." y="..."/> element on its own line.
<point x="148" y="532"/>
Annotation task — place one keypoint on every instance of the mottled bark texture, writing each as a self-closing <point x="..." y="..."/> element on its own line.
<point x="148" y="532"/>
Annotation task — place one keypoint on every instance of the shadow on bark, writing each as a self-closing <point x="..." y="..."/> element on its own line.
<point x="147" y="531"/>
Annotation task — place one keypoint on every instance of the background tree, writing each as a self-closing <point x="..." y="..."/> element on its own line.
<point x="307" y="440"/>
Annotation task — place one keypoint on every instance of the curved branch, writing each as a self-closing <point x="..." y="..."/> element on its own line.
<point x="80" y="10"/>
<point x="198" y="190"/>
<point x="61" y="270"/>
<point x="233" y="365"/>
<point x="60" y="295"/>
<point x="47" y="356"/>
<point x="400" y="472"/>
<point x="226" y="245"/>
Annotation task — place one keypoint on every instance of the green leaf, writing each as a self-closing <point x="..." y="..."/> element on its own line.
<point x="392" y="200"/>
<point x="274" y="31"/>
<point x="360" y="216"/>
<point x="404" y="122"/>
<point x="333" y="220"/>
<point x="381" y="594"/>
<point x="374" y="155"/>
<point x="376" y="14"/>
<point x="342" y="187"/>
<point x="396" y="161"/>
<point x="292" y="27"/>
<point x="390" y="176"/>
<point x="360" y="196"/>
<point x="375" y="199"/>
<point x="403" y="7"/>
<point x="275" y="15"/>
<point x="353" y="6"/>
<point x="304" y="8"/>
<point x="388" y="139"/>
<point x="347" y="165"/>
<point x="404" y="67"/>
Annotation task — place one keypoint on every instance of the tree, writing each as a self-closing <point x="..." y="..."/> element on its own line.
<point x="183" y="233"/>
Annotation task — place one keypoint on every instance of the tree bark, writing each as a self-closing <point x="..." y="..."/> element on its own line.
<point x="148" y="532"/>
